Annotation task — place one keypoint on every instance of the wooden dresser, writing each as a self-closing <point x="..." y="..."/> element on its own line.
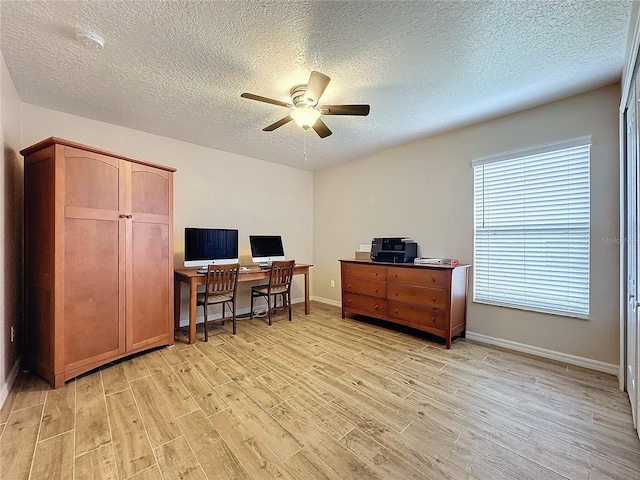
<point x="431" y="298"/>
<point x="98" y="258"/>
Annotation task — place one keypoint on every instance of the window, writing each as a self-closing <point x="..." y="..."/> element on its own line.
<point x="531" y="229"/>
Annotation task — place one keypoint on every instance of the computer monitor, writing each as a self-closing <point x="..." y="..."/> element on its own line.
<point x="210" y="246"/>
<point x="266" y="248"/>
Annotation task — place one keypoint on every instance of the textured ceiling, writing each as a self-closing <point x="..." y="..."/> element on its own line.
<point x="177" y="68"/>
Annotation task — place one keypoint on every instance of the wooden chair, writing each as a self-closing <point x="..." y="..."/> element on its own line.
<point x="220" y="287"/>
<point x="279" y="284"/>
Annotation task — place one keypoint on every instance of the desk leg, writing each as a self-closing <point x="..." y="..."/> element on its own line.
<point x="193" y="289"/>
<point x="176" y="304"/>
<point x="307" y="307"/>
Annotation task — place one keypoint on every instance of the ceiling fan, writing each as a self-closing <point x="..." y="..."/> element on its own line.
<point x="304" y="109"/>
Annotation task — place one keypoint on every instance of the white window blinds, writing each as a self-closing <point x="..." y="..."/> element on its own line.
<point x="531" y="231"/>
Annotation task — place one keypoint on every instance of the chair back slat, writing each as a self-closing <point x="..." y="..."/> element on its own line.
<point x="281" y="274"/>
<point x="222" y="279"/>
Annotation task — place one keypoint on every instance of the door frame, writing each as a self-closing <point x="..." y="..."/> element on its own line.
<point x="629" y="71"/>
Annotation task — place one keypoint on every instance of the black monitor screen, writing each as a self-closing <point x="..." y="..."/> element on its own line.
<point x="210" y="244"/>
<point x="266" y="246"/>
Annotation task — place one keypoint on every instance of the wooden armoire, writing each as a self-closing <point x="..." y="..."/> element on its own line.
<point x="98" y="258"/>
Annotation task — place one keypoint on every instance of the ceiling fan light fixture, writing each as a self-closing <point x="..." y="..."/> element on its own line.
<point x="305" y="116"/>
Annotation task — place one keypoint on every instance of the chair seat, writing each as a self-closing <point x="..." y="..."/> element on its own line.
<point x="225" y="297"/>
<point x="263" y="289"/>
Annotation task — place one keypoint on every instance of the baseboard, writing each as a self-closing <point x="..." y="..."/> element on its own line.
<point x="184" y="322"/>
<point x="543" y="352"/>
<point x="6" y="388"/>
<point x="335" y="303"/>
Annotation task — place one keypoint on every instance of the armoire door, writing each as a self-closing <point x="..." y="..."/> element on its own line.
<point x="149" y="258"/>
<point x="92" y="189"/>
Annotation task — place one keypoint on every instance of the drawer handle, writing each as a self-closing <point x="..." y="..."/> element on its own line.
<point x="349" y="286"/>
<point x="396" y="294"/>
<point x="433" y="279"/>
<point x="349" y="271"/>
<point x="433" y="298"/>
<point x="349" y="301"/>
<point x="375" y="307"/>
<point x="396" y="310"/>
<point x="375" y="290"/>
<point x="376" y="274"/>
<point x="433" y="319"/>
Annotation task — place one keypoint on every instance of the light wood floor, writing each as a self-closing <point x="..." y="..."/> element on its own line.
<point x="321" y="398"/>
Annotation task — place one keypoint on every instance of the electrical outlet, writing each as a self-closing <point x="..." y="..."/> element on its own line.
<point x="13" y="333"/>
<point x="333" y="283"/>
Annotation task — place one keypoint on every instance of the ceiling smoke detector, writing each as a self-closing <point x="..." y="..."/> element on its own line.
<point x="89" y="39"/>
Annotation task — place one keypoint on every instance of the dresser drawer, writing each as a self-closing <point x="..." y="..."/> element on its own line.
<point x="428" y="317"/>
<point x="364" y="287"/>
<point x="425" y="277"/>
<point x="374" y="306"/>
<point x="430" y="297"/>
<point x="364" y="271"/>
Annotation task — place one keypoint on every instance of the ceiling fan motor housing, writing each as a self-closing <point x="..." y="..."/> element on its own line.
<point x="298" y="97"/>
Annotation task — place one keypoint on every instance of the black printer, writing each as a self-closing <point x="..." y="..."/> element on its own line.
<point x="393" y="250"/>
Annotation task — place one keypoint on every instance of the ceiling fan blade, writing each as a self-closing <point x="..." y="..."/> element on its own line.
<point x="321" y="129"/>
<point x="278" y="124"/>
<point x="251" y="96"/>
<point x="362" y="110"/>
<point x="315" y="87"/>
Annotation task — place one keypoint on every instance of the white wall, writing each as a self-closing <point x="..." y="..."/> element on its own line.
<point x="212" y="188"/>
<point x="11" y="181"/>
<point x="425" y="190"/>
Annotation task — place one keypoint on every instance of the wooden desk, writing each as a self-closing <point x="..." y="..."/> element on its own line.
<point x="192" y="278"/>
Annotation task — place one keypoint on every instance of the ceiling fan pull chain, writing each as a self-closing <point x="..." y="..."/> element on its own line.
<point x="304" y="143"/>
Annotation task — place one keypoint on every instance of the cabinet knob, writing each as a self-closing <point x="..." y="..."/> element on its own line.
<point x="375" y="306"/>
<point x="129" y="216"/>
<point x="375" y="290"/>
<point x="349" y="286"/>
<point x="122" y="215"/>
<point x="433" y="298"/>
<point x="433" y="319"/>
<point x="376" y="274"/>
<point x="349" y="301"/>
<point x="433" y="279"/>
<point x="396" y="310"/>
<point x="349" y="271"/>
<point x="396" y="294"/>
